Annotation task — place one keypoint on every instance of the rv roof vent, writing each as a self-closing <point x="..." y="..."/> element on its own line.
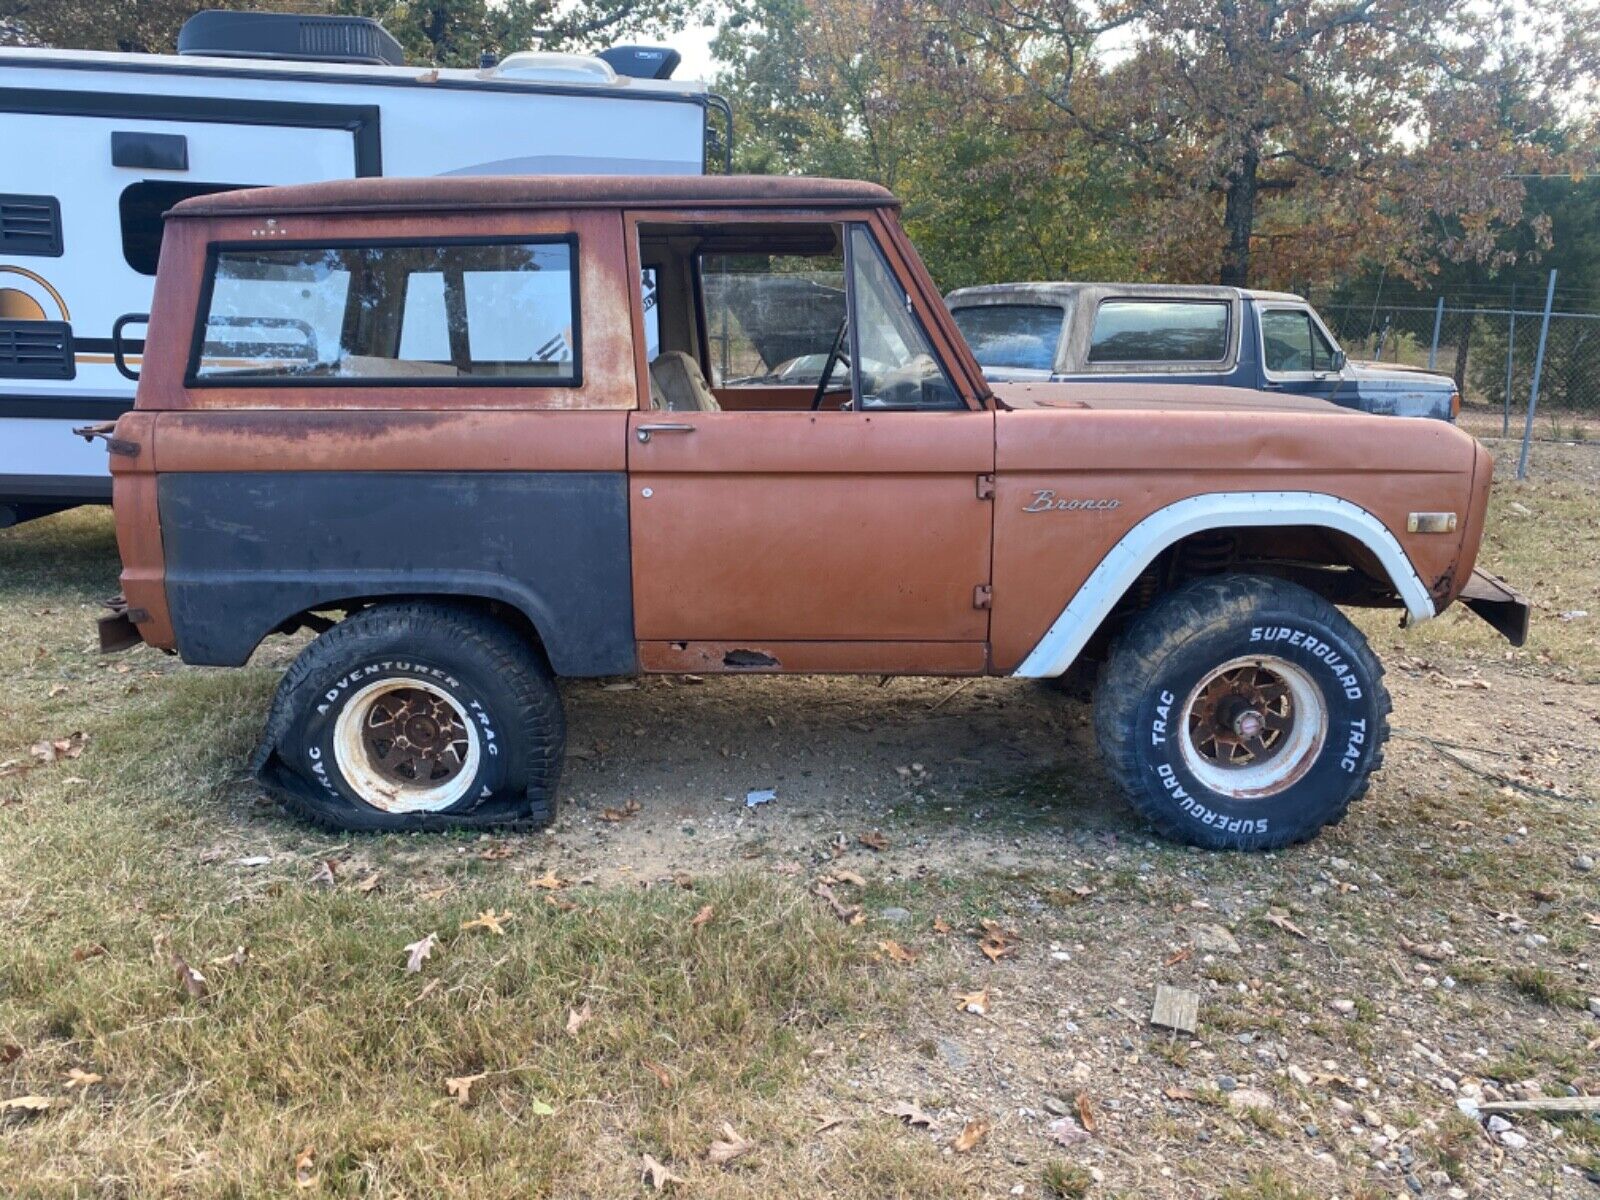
<point x="290" y="36"/>
<point x="548" y="66"/>
<point x="643" y="62"/>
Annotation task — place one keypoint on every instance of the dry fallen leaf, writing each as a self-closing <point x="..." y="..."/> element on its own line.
<point x="578" y="1017"/>
<point x="874" y="840"/>
<point x="326" y="876"/>
<point x="236" y="959"/>
<point x="191" y="980"/>
<point x="976" y="1003"/>
<point x="488" y="919"/>
<point x="438" y="893"/>
<point x="370" y="884"/>
<point x="911" y="1113"/>
<point x="729" y="1147"/>
<point x="557" y="903"/>
<point x="631" y="808"/>
<point x="1085" y="1111"/>
<point x="996" y="942"/>
<point x="549" y="882"/>
<point x="85" y="953"/>
<point x="497" y="852"/>
<point x="701" y="917"/>
<point x="419" y="952"/>
<point x="28" y="1104"/>
<point x="460" y="1086"/>
<point x="1430" y="951"/>
<point x="55" y="749"/>
<point x="1177" y="1093"/>
<point x="1280" y="920"/>
<point x="849" y="877"/>
<point x="658" y="1175"/>
<point x="971" y="1134"/>
<point x="656" y="1069"/>
<point x="58" y="689"/>
<point x="940" y="927"/>
<point x="305" y="1168"/>
<point x="82" y="1079"/>
<point x="897" y="952"/>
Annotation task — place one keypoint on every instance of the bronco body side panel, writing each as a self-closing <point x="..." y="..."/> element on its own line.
<point x="246" y="551"/>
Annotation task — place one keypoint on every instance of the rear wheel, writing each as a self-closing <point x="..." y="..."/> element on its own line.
<point x="1242" y="712"/>
<point x="416" y="716"/>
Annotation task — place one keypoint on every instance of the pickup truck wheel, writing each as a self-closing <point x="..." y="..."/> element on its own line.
<point x="1242" y="712"/>
<point x="416" y="716"/>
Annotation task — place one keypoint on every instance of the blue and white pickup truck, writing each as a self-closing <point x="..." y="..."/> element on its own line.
<point x="1181" y="333"/>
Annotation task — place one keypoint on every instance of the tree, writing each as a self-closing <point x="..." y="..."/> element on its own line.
<point x="858" y="88"/>
<point x="441" y="32"/>
<point x="1290" y="138"/>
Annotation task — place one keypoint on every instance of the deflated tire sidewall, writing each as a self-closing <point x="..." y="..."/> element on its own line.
<point x="1349" y="696"/>
<point x="496" y="770"/>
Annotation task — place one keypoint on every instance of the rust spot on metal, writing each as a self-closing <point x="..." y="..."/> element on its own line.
<point x="747" y="660"/>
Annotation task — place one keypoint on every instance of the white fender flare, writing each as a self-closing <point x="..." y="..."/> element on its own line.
<point x="1123" y="563"/>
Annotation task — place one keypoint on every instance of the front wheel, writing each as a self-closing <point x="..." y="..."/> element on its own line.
<point x="1242" y="712"/>
<point x="416" y="716"/>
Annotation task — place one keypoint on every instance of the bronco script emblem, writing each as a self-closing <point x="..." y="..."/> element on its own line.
<point x="1048" y="501"/>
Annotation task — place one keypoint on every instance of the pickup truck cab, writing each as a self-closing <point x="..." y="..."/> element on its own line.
<point x="1181" y="333"/>
<point x="485" y="433"/>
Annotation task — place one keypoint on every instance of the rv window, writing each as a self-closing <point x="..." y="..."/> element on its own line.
<point x="142" y="205"/>
<point x="484" y="312"/>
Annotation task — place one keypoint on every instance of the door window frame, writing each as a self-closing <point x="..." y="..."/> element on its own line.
<point x="1262" y="309"/>
<point x="936" y="324"/>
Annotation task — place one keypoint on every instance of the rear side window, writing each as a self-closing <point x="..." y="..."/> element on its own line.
<point x="1011" y="335"/>
<point x="1135" y="331"/>
<point x="413" y="313"/>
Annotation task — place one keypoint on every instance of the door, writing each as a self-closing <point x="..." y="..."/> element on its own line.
<point x="1296" y="353"/>
<point x="855" y="537"/>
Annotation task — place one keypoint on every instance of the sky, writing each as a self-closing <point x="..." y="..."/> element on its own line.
<point x="694" y="43"/>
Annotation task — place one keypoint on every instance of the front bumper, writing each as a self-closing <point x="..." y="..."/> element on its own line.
<point x="1498" y="603"/>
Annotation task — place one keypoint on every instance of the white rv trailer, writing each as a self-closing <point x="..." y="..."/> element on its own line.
<point x="95" y="147"/>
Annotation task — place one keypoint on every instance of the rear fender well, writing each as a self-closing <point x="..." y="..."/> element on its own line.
<point x="1109" y="581"/>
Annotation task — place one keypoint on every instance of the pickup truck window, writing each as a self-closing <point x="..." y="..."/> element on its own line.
<point x="490" y="312"/>
<point x="1132" y="331"/>
<point x="1290" y="342"/>
<point x="1020" y="336"/>
<point x="898" y="366"/>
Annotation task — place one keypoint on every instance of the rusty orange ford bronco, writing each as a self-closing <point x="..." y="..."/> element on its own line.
<point x="480" y="433"/>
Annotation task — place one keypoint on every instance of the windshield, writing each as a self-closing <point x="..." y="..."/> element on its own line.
<point x="1011" y="335"/>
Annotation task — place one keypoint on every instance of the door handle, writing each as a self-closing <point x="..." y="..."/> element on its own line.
<point x="644" y="431"/>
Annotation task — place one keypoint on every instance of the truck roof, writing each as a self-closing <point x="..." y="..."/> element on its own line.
<point x="1056" y="291"/>
<point x="454" y="192"/>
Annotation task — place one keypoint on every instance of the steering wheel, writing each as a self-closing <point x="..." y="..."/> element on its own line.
<point x="835" y="353"/>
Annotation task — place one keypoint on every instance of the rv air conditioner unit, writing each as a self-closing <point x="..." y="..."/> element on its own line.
<point x="216" y="33"/>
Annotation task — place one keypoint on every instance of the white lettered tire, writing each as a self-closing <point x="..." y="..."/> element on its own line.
<point x="1242" y="712"/>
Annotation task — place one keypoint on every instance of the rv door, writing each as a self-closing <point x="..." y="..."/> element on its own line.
<point x="80" y="233"/>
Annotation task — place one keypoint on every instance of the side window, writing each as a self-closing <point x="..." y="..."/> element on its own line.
<point x="141" y="206"/>
<point x="1290" y="342"/>
<point x="895" y="366"/>
<point x="1019" y="336"/>
<point x="772" y="320"/>
<point x="650" y="294"/>
<point x="1137" y="331"/>
<point x="495" y="312"/>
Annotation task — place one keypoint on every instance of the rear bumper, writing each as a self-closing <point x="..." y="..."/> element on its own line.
<point x="1498" y="603"/>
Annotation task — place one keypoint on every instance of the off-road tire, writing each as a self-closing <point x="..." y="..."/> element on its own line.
<point x="1142" y="708"/>
<point x="469" y="658"/>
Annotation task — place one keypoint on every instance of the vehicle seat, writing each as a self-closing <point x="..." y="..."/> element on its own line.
<point x="677" y="385"/>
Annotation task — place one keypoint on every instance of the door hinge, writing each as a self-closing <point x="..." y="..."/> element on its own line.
<point x="985" y="487"/>
<point x="983" y="596"/>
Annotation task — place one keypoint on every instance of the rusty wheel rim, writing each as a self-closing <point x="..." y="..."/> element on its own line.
<point x="1253" y="726"/>
<point x="405" y="745"/>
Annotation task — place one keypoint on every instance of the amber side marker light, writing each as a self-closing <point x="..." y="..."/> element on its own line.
<point x="1436" y="522"/>
<point x="1455" y="405"/>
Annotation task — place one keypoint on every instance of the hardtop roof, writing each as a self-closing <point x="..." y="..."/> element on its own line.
<point x="476" y="192"/>
<point x="1058" y="291"/>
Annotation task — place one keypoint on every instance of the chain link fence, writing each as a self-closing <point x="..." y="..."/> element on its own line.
<point x="1487" y="339"/>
